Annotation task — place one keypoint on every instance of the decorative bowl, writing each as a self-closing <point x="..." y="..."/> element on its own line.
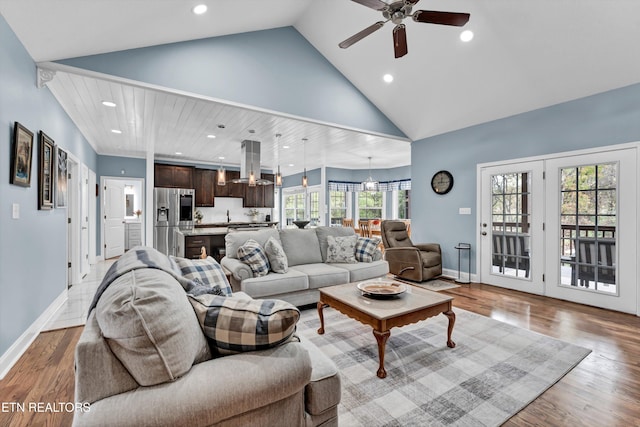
<point x="301" y="224"/>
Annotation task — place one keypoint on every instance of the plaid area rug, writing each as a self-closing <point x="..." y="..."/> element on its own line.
<point x="495" y="370"/>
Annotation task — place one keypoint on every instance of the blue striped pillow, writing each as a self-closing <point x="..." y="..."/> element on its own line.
<point x="252" y="254"/>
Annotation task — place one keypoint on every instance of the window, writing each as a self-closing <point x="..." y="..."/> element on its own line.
<point x="370" y="204"/>
<point x="294" y="207"/>
<point x="337" y="206"/>
<point x="314" y="207"/>
<point x="403" y="204"/>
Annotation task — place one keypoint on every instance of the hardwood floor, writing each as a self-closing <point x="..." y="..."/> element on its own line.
<point x="603" y="390"/>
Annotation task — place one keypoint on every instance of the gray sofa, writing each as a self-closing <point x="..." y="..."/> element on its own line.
<point x="306" y="251"/>
<point x="292" y="384"/>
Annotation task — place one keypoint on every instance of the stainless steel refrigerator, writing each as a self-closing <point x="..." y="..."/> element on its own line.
<point x="173" y="210"/>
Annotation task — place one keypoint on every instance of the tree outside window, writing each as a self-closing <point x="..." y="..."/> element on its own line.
<point x="294" y="208"/>
<point x="370" y="204"/>
<point x="403" y="204"/>
<point x="337" y="206"/>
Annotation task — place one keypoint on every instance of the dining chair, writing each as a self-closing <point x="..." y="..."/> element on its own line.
<point x="364" y="227"/>
<point x="347" y="222"/>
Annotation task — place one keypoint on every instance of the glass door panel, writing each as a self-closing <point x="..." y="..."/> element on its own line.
<point x="510" y="253"/>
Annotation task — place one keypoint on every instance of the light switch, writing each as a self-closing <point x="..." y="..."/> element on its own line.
<point x="464" y="211"/>
<point x="15" y="214"/>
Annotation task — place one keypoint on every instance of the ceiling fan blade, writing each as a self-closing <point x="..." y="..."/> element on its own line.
<point x="400" y="41"/>
<point x="373" y="4"/>
<point x="362" y="34"/>
<point x="411" y="2"/>
<point x="442" y="18"/>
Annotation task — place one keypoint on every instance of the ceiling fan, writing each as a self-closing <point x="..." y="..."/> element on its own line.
<point x="396" y="12"/>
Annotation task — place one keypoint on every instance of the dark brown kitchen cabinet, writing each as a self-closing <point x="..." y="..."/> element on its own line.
<point x="226" y="190"/>
<point x="193" y="246"/>
<point x="204" y="184"/>
<point x="260" y="196"/>
<point x="235" y="190"/>
<point x="173" y="176"/>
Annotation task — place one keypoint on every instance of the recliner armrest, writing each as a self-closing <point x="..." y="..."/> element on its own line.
<point x="428" y="247"/>
<point x="406" y="254"/>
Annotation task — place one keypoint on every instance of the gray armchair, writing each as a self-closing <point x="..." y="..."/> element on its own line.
<point x="407" y="260"/>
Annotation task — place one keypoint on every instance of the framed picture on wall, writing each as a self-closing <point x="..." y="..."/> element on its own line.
<point x="61" y="178"/>
<point x="45" y="172"/>
<point x="21" y="156"/>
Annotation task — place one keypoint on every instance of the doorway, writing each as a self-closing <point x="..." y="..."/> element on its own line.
<point x="564" y="226"/>
<point x="121" y="210"/>
<point x="512" y="242"/>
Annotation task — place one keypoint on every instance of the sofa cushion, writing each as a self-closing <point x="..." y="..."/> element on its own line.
<point x="323" y="390"/>
<point x="206" y="271"/>
<point x="323" y="232"/>
<point x="321" y="274"/>
<point x="277" y="256"/>
<point x="150" y="326"/>
<point x="274" y="284"/>
<point x="301" y="246"/>
<point x="341" y="249"/>
<point x="364" y="270"/>
<point x="234" y="239"/>
<point x="235" y="325"/>
<point x="252" y="254"/>
<point x="430" y="259"/>
<point x="366" y="249"/>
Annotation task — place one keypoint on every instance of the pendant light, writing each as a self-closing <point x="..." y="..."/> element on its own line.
<point x="305" y="181"/>
<point x="278" y="174"/>
<point x="370" y="184"/>
<point x="252" y="176"/>
<point x="222" y="174"/>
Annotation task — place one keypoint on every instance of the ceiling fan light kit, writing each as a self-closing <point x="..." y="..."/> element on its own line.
<point x="396" y="12"/>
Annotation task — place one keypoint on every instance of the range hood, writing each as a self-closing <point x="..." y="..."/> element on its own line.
<point x="250" y="161"/>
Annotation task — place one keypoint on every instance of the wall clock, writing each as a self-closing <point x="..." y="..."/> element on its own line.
<point x="442" y="182"/>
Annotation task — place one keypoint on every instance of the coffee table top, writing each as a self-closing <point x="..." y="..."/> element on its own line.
<point x="415" y="298"/>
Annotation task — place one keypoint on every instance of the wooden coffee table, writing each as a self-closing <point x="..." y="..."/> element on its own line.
<point x="383" y="314"/>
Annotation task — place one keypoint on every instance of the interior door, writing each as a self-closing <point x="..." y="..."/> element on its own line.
<point x="113" y="218"/>
<point x="591" y="211"/>
<point x="84" y="221"/>
<point x="511" y="229"/>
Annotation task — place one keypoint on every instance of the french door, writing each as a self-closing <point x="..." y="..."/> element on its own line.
<point x="591" y="253"/>
<point x="565" y="227"/>
<point x="512" y="239"/>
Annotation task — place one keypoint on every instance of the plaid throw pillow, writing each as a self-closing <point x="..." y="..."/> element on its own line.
<point x="234" y="325"/>
<point x="366" y="249"/>
<point x="341" y="249"/>
<point x="252" y="254"/>
<point x="276" y="255"/>
<point x="205" y="272"/>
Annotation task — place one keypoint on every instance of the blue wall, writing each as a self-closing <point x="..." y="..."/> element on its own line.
<point x="608" y="118"/>
<point x="33" y="254"/>
<point x="275" y="69"/>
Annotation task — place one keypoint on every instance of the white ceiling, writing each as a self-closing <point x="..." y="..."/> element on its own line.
<point x="525" y="55"/>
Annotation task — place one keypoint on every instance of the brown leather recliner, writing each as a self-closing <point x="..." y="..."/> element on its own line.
<point x="408" y="261"/>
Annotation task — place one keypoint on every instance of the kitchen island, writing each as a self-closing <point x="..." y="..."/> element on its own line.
<point x="189" y="243"/>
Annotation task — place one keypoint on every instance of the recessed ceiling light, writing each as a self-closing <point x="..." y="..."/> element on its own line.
<point x="199" y="9"/>
<point x="178" y="153"/>
<point x="108" y="104"/>
<point x="388" y="78"/>
<point x="211" y="136"/>
<point x="290" y="164"/>
<point x="285" y="146"/>
<point x="116" y="131"/>
<point x="221" y="157"/>
<point x="466" y="35"/>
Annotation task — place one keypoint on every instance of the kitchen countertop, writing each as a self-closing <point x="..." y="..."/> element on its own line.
<point x="236" y="224"/>
<point x="211" y="231"/>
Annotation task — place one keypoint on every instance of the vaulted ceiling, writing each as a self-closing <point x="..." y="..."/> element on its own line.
<point x="524" y="56"/>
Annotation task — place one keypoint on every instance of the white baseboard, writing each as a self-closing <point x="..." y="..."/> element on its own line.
<point x="17" y="349"/>
<point x="453" y="275"/>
